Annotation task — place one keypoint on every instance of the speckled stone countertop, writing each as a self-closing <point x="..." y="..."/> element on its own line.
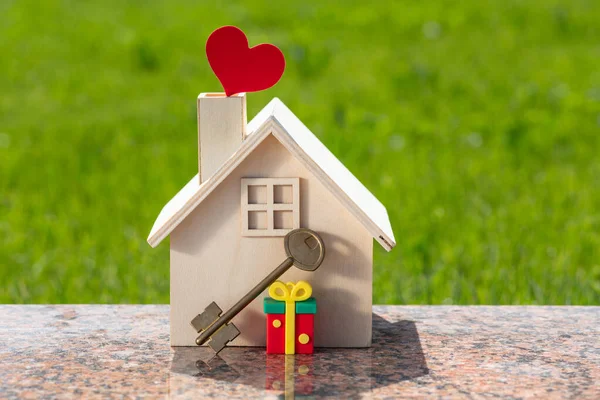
<point x="102" y="351"/>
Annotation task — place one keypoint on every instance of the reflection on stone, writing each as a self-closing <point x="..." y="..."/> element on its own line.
<point x="395" y="355"/>
<point x="217" y="368"/>
<point x="290" y="373"/>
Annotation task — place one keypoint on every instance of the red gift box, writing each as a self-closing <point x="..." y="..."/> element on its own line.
<point x="305" y="325"/>
<point x="290" y="304"/>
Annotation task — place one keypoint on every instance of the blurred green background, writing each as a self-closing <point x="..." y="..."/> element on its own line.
<point x="475" y="122"/>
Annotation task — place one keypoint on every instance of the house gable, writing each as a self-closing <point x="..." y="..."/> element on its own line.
<point x="277" y="119"/>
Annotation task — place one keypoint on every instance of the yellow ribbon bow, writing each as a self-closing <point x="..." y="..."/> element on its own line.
<point x="290" y="293"/>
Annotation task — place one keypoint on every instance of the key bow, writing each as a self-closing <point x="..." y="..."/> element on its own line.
<point x="290" y="291"/>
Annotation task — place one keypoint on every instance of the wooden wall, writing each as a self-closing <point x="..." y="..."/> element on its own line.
<point x="210" y="260"/>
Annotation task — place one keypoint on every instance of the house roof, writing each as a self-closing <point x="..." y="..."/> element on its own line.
<point x="275" y="118"/>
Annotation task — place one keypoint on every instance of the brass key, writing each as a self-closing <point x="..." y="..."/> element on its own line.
<point x="305" y="249"/>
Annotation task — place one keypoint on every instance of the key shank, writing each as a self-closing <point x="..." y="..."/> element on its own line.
<point x="244" y="301"/>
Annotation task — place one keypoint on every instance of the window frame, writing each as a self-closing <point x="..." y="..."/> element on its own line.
<point x="270" y="207"/>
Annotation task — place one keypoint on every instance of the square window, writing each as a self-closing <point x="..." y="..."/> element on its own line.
<point x="283" y="219"/>
<point x="257" y="220"/>
<point x="270" y="206"/>
<point x="283" y="194"/>
<point x="257" y="194"/>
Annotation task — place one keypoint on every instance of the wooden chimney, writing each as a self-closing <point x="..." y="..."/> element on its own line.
<point x="221" y="130"/>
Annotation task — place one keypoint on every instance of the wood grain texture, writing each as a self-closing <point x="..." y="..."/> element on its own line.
<point x="194" y="192"/>
<point x="278" y="120"/>
<point x="221" y="130"/>
<point x="211" y="261"/>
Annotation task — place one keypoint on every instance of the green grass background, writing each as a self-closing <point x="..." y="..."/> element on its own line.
<point x="475" y="122"/>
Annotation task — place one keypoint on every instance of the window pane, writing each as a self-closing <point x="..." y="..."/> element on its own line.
<point x="257" y="194"/>
<point x="257" y="220"/>
<point x="283" y="194"/>
<point x="283" y="219"/>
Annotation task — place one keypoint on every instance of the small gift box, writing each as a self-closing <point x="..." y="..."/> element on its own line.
<point x="290" y="318"/>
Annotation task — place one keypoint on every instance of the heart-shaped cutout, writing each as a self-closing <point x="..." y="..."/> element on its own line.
<point x="240" y="68"/>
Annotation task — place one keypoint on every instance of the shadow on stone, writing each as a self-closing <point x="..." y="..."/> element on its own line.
<point x="395" y="355"/>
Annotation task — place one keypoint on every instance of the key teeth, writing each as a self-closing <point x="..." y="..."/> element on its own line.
<point x="207" y="317"/>
<point x="222" y="337"/>
<point x="213" y="308"/>
<point x="233" y="330"/>
<point x="196" y="323"/>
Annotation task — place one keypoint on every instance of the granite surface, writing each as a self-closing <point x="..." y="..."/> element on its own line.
<point x="122" y="351"/>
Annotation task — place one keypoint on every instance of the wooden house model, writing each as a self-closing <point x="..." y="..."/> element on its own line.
<point x="256" y="182"/>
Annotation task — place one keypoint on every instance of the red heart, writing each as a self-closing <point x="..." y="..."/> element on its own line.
<point x="239" y="68"/>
